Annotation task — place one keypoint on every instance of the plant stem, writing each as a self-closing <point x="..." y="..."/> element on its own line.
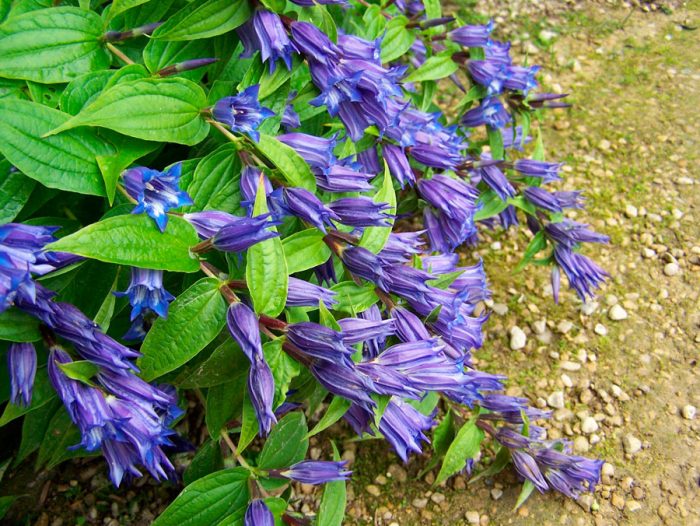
<point x="119" y="54"/>
<point x="233" y="449"/>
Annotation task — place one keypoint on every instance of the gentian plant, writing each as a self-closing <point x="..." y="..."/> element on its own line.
<point x="256" y="210"/>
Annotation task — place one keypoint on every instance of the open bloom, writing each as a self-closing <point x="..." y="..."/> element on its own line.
<point x="243" y="112"/>
<point x="146" y="292"/>
<point x="156" y="192"/>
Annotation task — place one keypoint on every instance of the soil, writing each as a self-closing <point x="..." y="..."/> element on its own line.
<point x="631" y="143"/>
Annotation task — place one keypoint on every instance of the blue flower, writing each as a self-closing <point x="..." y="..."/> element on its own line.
<point x="156" y="192"/>
<point x="342" y="378"/>
<point x="490" y="112"/>
<point x="356" y="330"/>
<point x="570" y="233"/>
<point x="146" y="292"/>
<point x="21" y="363"/>
<point x="361" y="212"/>
<point x="318" y="341"/>
<point x="251" y="178"/>
<point x="403" y="427"/>
<point x="401" y="246"/>
<point x="242" y="233"/>
<point x="548" y="172"/>
<point x="266" y="33"/>
<point x="301" y="293"/>
<point x="472" y="36"/>
<point x="316" y="151"/>
<point x="306" y="206"/>
<point x="399" y="167"/>
<point x="242" y="113"/>
<point x="583" y="274"/>
<point x="314" y="472"/>
<point x="258" y="514"/>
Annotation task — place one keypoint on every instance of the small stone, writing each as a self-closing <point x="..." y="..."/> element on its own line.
<point x="631" y="444"/>
<point x="688" y="412"/>
<point x="380" y="479"/>
<point x="397" y="473"/>
<point x="608" y="470"/>
<point x="631" y="211"/>
<point x="632" y="505"/>
<point x="617" y="313"/>
<point x="556" y="400"/>
<point x="566" y="380"/>
<point x="600" y="329"/>
<point x="419" y="503"/>
<point x="564" y="326"/>
<point x="518" y="339"/>
<point x="570" y="366"/>
<point x="373" y="490"/>
<point x="585" y="500"/>
<point x="581" y="445"/>
<point x="672" y="269"/>
<point x="472" y="517"/>
<point x="500" y="309"/>
<point x="539" y="327"/>
<point x="589" y="425"/>
<point x="496" y="493"/>
<point x="618" y="501"/>
<point x="589" y="308"/>
<point x="437" y="498"/>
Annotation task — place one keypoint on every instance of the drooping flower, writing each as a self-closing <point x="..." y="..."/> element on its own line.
<point x="403" y="427"/>
<point x="146" y="292"/>
<point x="251" y="178"/>
<point x="21" y="363"/>
<point x="344" y="379"/>
<point x="472" y="36"/>
<point x="156" y="192"/>
<point x="570" y="233"/>
<point x="301" y="293"/>
<point x="258" y="514"/>
<point x="548" y="172"/>
<point x="306" y="206"/>
<point x="318" y="341"/>
<point x="243" y="112"/>
<point x="316" y="151"/>
<point x="399" y="167"/>
<point x="583" y="274"/>
<point x="361" y="212"/>
<point x="356" y="330"/>
<point x="242" y="233"/>
<point x="266" y="33"/>
<point x="401" y="246"/>
<point x="364" y="264"/>
<point x="490" y="112"/>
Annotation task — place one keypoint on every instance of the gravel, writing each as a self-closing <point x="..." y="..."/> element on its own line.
<point x="518" y="339"/>
<point x="617" y="313"/>
<point x="688" y="412"/>
<point x="631" y="444"/>
<point x="672" y="269"/>
<point x="556" y="400"/>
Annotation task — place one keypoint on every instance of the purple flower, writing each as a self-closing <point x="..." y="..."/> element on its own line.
<point x="325" y="272"/>
<point x="208" y="223"/>
<point x="356" y="330"/>
<point x="490" y="112"/>
<point x="316" y="151"/>
<point x="373" y="346"/>
<point x="583" y="274"/>
<point x="344" y="178"/>
<point x="521" y="78"/>
<point x="491" y="75"/>
<point x="363" y="263"/>
<point x="401" y="246"/>
<point x="510" y="409"/>
<point x="146" y="292"/>
<point x="290" y="118"/>
<point x="306" y="206"/>
<point x="156" y="192"/>
<point x="311" y="41"/>
<point x="496" y="179"/>
<point x="472" y="36"/>
<point x="498" y="52"/>
<point x="266" y="33"/>
<point x="242" y="323"/>
<point x="258" y="514"/>
<point x="243" y="233"/>
<point x="251" y="178"/>
<point x="570" y="233"/>
<point x="318" y="341"/>
<point x="315" y="472"/>
<point x="344" y="379"/>
<point x="242" y="113"/>
<point x="21" y="363"/>
<point x="369" y="160"/>
<point x="398" y="164"/>
<point x="409" y="327"/>
<point x="406" y="281"/>
<point x="556" y="283"/>
<point x="358" y="48"/>
<point x="301" y="293"/>
<point x="361" y="212"/>
<point x="548" y="172"/>
<point x="440" y="263"/>
<point x="403" y="427"/>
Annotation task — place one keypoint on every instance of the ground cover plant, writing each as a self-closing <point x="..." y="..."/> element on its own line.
<point x="251" y="210"/>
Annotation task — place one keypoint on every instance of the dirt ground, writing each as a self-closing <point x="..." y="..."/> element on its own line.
<point x="625" y="365"/>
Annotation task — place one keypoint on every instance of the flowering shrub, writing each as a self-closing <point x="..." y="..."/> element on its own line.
<point x="257" y="233"/>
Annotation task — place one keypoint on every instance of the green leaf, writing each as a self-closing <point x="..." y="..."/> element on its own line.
<point x="290" y="164"/>
<point x="397" y="41"/>
<point x="204" y="19"/>
<point x="153" y="109"/>
<point x="224" y="403"/>
<point x="6" y="502"/>
<point x="207" y="460"/>
<point x="226" y="364"/>
<point x="433" y="9"/>
<point x="374" y="238"/>
<point x="135" y="240"/>
<point x="194" y="319"/>
<point x="119" y="6"/>
<point x="161" y="53"/>
<point x="326" y="318"/>
<point x="331" y="511"/>
<point x="216" y="181"/>
<point x="538" y="152"/>
<point x="336" y="409"/>
<point x="491" y="205"/>
<point x="43" y="393"/>
<point x="15" y="189"/>
<point x="434" y="68"/>
<point x="465" y="446"/>
<point x="304" y="250"/>
<point x="81" y="370"/>
<point x="536" y="245"/>
<point x="525" y="492"/>
<point x="382" y="403"/>
<point x="496" y="143"/>
<point x="66" y="162"/>
<point x="284" y="368"/>
<point x="266" y="268"/>
<point x="209" y="500"/>
<point x="249" y="423"/>
<point x="52" y="45"/>
<point x="34" y="428"/>
<point x="111" y="166"/>
<point x="499" y="463"/>
<point x="353" y="298"/>
<point x="276" y="6"/>
<point x="270" y="82"/>
<point x="60" y="436"/>
<point x="83" y="89"/>
<point x="16" y="326"/>
<point x="287" y="443"/>
<point x="443" y="435"/>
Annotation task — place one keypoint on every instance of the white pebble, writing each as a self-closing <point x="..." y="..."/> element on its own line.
<point x="556" y="400"/>
<point x="600" y="329"/>
<point x="688" y="412"/>
<point x="589" y="425"/>
<point x="672" y="269"/>
<point x="617" y="313"/>
<point x="518" y="339"/>
<point x="631" y="444"/>
<point x="631" y="211"/>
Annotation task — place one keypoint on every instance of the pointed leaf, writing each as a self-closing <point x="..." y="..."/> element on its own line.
<point x="204" y="19"/>
<point x="304" y="250"/>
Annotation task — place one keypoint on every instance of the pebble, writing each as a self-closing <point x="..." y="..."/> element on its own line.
<point x="564" y="326"/>
<point x="631" y="444"/>
<point x="496" y="493"/>
<point x="589" y="425"/>
<point x="617" y="313"/>
<point x="600" y="329"/>
<point x="632" y="506"/>
<point x="419" y="503"/>
<point x="517" y="338"/>
<point x="500" y="309"/>
<point x="437" y="498"/>
<point x="556" y="400"/>
<point x="566" y="380"/>
<point x="631" y="211"/>
<point x="581" y="445"/>
<point x="472" y="517"/>
<point x="570" y="366"/>
<point x="672" y="269"/>
<point x="688" y="412"/>
<point x="618" y="501"/>
<point x="589" y="308"/>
